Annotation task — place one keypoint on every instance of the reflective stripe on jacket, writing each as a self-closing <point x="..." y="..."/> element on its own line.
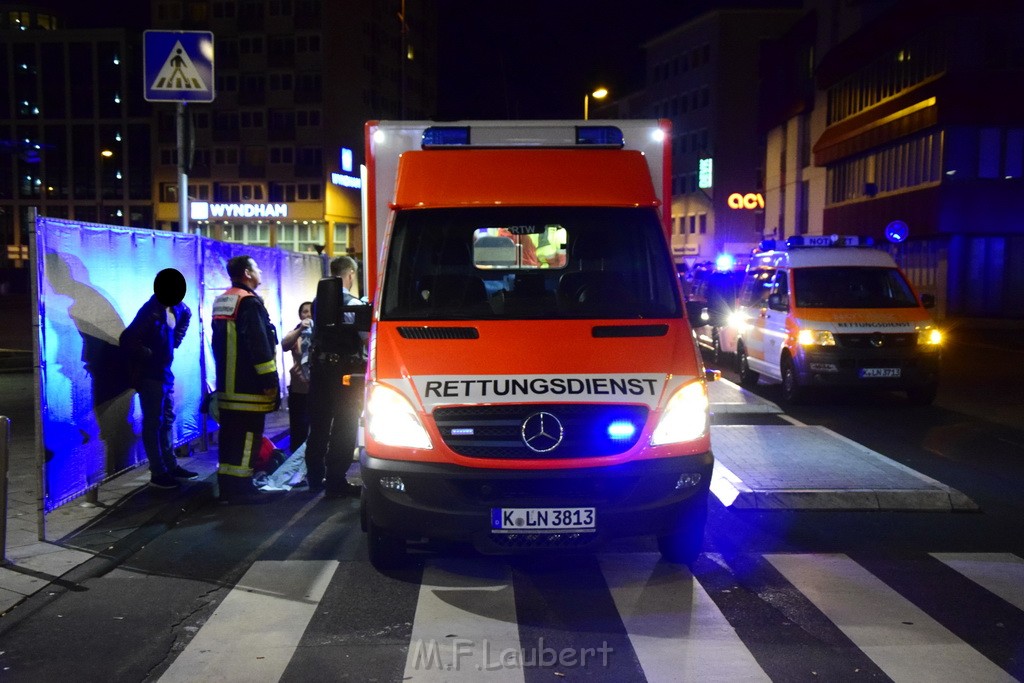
<point x="245" y="348"/>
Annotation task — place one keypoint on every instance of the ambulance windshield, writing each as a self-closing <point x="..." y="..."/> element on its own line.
<point x="852" y="287"/>
<point x="528" y="263"/>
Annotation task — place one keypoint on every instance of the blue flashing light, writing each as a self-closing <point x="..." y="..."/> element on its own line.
<point x="606" y="136"/>
<point x="725" y="262"/>
<point x="445" y="136"/>
<point x="621" y="430"/>
<point x="897" y="232"/>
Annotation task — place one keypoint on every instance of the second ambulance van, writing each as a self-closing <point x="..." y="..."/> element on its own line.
<point x="834" y="312"/>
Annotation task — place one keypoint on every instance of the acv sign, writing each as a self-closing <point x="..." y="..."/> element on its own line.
<point x="750" y="200"/>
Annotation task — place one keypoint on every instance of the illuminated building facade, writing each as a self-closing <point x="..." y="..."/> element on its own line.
<point x="703" y="76"/>
<point x="904" y="111"/>
<point x="277" y="153"/>
<point x="294" y="79"/>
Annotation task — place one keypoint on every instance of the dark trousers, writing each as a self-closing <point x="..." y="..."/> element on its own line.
<point x="333" y="425"/>
<point x="298" y="420"/>
<point x="241" y="435"/>
<point x="156" y="398"/>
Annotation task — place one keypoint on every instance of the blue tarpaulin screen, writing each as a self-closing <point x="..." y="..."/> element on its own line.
<point x="92" y="279"/>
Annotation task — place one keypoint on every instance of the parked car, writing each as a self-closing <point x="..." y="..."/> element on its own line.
<point x="717" y="290"/>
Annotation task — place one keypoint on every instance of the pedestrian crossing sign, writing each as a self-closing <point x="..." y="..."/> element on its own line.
<point x="178" y="66"/>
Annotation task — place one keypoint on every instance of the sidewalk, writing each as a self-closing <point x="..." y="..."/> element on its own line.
<point x="794" y="466"/>
<point x="125" y="505"/>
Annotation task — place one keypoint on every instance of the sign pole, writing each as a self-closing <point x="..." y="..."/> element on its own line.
<point x="183" y="225"/>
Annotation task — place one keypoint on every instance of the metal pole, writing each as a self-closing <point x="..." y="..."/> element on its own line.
<point x="183" y="225"/>
<point x="37" y="373"/>
<point x="5" y="449"/>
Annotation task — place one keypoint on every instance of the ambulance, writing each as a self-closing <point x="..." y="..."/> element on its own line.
<point x="533" y="382"/>
<point x="834" y="312"/>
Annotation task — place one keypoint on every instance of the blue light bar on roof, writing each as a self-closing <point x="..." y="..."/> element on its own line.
<point x="828" y="241"/>
<point x="446" y="136"/>
<point x="606" y="136"/>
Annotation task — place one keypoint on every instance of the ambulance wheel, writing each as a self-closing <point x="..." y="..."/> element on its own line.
<point x="792" y="392"/>
<point x="922" y="396"/>
<point x="684" y="544"/>
<point x="386" y="551"/>
<point x="748" y="378"/>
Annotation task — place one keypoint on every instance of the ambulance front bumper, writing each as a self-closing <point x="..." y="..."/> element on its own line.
<point x="453" y="503"/>
<point x="891" y="369"/>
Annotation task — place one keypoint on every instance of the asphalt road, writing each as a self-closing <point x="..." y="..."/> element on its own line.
<point x="285" y="591"/>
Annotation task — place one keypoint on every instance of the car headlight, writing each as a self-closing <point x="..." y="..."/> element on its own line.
<point x="815" y="338"/>
<point x="685" y="417"/>
<point x="929" y="336"/>
<point x="738" y="320"/>
<point x="392" y="421"/>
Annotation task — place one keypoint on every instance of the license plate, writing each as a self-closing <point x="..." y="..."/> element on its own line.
<point x="544" y="520"/>
<point x="880" y="372"/>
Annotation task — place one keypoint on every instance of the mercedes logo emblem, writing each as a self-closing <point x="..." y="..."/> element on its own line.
<point x="542" y="432"/>
<point x="877" y="340"/>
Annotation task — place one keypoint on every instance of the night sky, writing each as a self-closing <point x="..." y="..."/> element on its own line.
<point x="538" y="58"/>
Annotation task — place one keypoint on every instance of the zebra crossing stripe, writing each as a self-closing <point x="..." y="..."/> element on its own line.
<point x="465" y="626"/>
<point x="999" y="573"/>
<point x="255" y="631"/>
<point x="677" y="631"/>
<point x="899" y="637"/>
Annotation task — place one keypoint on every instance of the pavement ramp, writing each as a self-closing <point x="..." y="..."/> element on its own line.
<point x="796" y="466"/>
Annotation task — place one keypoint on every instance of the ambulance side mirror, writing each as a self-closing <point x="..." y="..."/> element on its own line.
<point x="694" y="309"/>
<point x="928" y="300"/>
<point x="778" y="302"/>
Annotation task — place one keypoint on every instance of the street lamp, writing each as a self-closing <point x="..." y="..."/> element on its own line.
<point x="598" y="94"/>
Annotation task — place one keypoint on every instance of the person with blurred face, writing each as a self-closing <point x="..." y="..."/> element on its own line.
<point x="149" y="341"/>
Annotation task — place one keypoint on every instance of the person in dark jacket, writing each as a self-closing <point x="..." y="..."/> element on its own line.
<point x="245" y="349"/>
<point x="149" y="341"/>
<point x="334" y="405"/>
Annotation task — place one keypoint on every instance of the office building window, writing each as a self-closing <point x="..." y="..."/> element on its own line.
<point x="341" y="240"/>
<point x="911" y="163"/>
<point x="301" y="237"/>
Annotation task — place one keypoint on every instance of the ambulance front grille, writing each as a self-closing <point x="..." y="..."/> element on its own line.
<point x="497" y="431"/>
<point x="872" y="340"/>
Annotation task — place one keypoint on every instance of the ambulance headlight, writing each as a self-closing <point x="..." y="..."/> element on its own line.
<point x="685" y="417"/>
<point x="815" y="338"/>
<point x="737" y="320"/>
<point x="392" y="421"/>
<point x="929" y="336"/>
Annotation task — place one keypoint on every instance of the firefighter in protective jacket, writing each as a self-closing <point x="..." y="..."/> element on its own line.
<point x="245" y="348"/>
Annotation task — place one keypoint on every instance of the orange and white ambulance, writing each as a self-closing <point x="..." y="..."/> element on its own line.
<point x="834" y="312"/>
<point x="533" y="381"/>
